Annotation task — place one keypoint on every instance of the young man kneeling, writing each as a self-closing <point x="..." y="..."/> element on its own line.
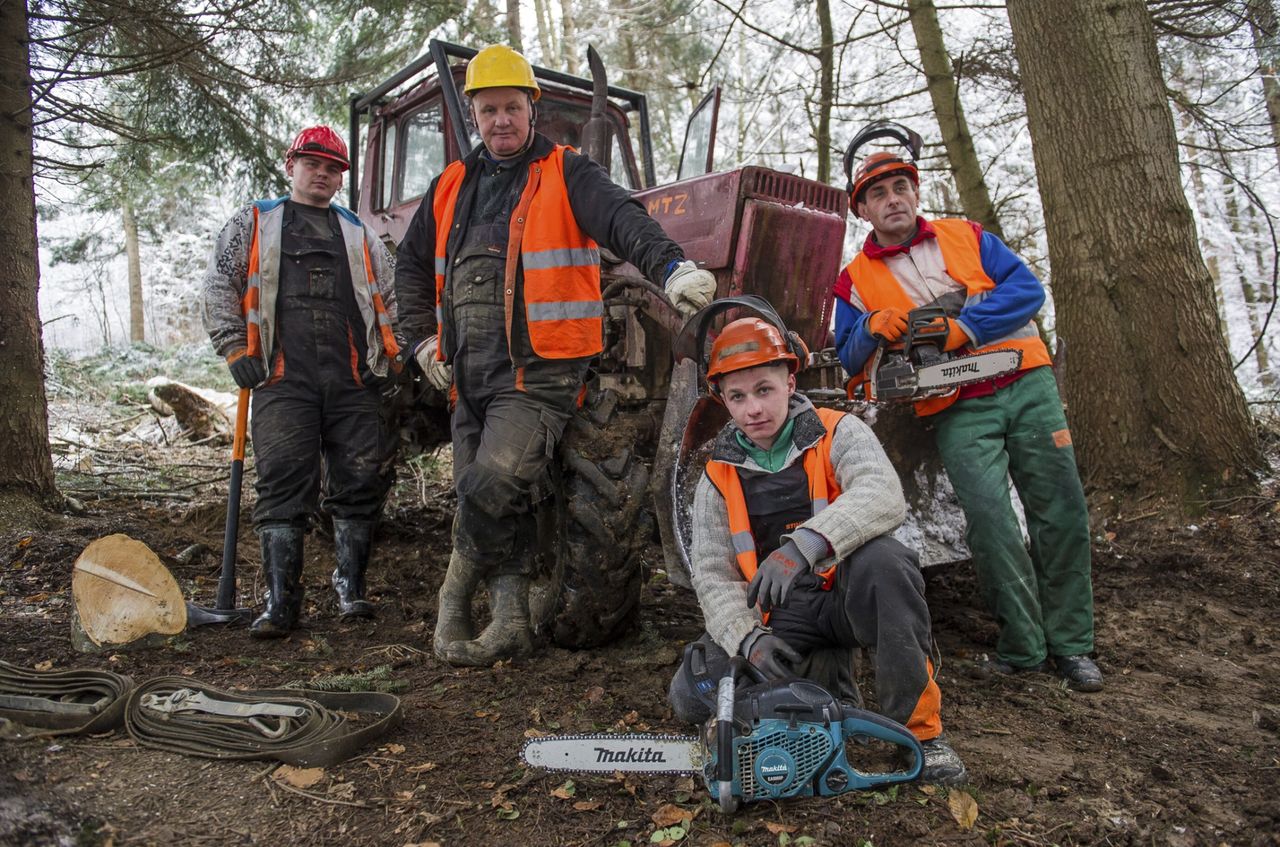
<point x="792" y="559"/>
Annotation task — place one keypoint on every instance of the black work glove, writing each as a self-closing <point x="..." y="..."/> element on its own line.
<point x="774" y="657"/>
<point x="246" y="370"/>
<point x="773" y="578"/>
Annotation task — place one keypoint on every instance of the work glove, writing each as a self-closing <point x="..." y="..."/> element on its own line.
<point x="771" y="655"/>
<point x="887" y="324"/>
<point x="773" y="578"/>
<point x="248" y="371"/>
<point x="437" y="372"/>
<point x="689" y="287"/>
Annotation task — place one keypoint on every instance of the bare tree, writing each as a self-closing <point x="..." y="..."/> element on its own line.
<point x="1148" y="367"/>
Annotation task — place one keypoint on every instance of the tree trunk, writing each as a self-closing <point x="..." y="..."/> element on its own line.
<point x="569" y="37"/>
<point x="1149" y="384"/>
<point x="24" y="423"/>
<point x="945" y="93"/>
<point x="514" y="41"/>
<point x="137" y="333"/>
<point x="1266" y="41"/>
<point x="546" y="38"/>
<point x="826" y="89"/>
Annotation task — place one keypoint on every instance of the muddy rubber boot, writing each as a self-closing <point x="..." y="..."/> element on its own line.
<point x="453" y="603"/>
<point x="351" y="543"/>
<point x="507" y="636"/>
<point x="282" y="571"/>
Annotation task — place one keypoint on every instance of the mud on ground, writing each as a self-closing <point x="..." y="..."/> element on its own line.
<point x="1182" y="748"/>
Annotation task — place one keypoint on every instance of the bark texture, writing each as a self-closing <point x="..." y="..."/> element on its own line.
<point x="945" y="94"/>
<point x="1153" y="401"/>
<point x="137" y="332"/>
<point x="24" y="425"/>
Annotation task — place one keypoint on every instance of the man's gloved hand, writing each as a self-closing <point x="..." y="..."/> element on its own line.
<point x="689" y="287"/>
<point x="437" y="372"/>
<point x="246" y="370"/>
<point x="887" y="324"/>
<point x="774" y="657"/>
<point x="956" y="336"/>
<point x="773" y="578"/>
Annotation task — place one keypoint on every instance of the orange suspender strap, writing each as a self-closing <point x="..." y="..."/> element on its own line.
<point x="250" y="302"/>
<point x="443" y="206"/>
<point x="389" y="344"/>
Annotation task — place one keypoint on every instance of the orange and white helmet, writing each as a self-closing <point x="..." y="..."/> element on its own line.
<point x="748" y="343"/>
<point x="881" y="164"/>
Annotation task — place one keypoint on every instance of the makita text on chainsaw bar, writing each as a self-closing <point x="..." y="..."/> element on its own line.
<point x="644" y="755"/>
<point x="957" y="370"/>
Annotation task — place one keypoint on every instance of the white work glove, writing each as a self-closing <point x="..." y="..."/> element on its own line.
<point x="689" y="288"/>
<point x="437" y="372"/>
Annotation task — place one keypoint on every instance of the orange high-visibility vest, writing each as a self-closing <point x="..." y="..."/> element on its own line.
<point x="823" y="488"/>
<point x="261" y="289"/>
<point x="561" y="263"/>
<point x="961" y="253"/>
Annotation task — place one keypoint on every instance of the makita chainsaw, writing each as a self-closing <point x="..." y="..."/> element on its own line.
<point x="767" y="741"/>
<point x="917" y="367"/>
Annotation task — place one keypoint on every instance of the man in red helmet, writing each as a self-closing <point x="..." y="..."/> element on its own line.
<point x="498" y="277"/>
<point x="299" y="299"/>
<point x="1012" y="425"/>
<point x="792" y="559"/>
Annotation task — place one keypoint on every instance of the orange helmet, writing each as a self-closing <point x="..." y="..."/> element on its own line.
<point x="748" y="343"/>
<point x="319" y="141"/>
<point x="876" y="167"/>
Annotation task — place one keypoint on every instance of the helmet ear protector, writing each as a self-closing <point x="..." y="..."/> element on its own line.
<point x="880" y="164"/>
<point x="786" y="347"/>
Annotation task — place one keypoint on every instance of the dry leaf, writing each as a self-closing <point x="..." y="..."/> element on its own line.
<point x="563" y="793"/>
<point x="587" y="805"/>
<point x="423" y="844"/>
<point x="929" y="789"/>
<point x="963" y="808"/>
<point x="46" y="665"/>
<point x="776" y="828"/>
<point x="423" y="768"/>
<point x="533" y="733"/>
<point x="536" y="714"/>
<point x="670" y="813"/>
<point x="394" y="749"/>
<point x="594" y="694"/>
<point x="342" y="790"/>
<point x="631" y="717"/>
<point x="24" y="542"/>
<point x="298" y="777"/>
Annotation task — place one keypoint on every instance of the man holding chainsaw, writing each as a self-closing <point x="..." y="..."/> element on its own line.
<point x="499" y="284"/>
<point x="298" y="298"/>
<point x="791" y="556"/>
<point x="1007" y="425"/>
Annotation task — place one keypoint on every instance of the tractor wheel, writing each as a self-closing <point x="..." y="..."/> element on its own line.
<point x="593" y="527"/>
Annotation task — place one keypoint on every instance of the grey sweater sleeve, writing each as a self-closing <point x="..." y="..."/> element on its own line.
<point x="870" y="502"/>
<point x="224" y="284"/>
<point x="721" y="589"/>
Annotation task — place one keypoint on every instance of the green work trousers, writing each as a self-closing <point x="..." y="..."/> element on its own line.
<point x="1042" y="599"/>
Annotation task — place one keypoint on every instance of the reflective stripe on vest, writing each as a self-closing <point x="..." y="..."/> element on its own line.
<point x="823" y="488"/>
<point x="962" y="256"/>
<point x="262" y="284"/>
<point x="561" y="263"/>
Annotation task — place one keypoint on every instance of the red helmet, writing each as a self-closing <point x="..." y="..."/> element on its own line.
<point x="319" y="141"/>
<point x="876" y="167"/>
<point x="748" y="343"/>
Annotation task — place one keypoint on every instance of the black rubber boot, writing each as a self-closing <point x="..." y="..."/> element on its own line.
<point x="453" y="603"/>
<point x="507" y="636"/>
<point x="282" y="571"/>
<point x="351" y="543"/>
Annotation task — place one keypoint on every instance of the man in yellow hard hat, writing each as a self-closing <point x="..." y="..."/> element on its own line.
<point x="498" y="279"/>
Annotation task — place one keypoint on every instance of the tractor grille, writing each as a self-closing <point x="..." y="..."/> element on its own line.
<point x="793" y="191"/>
<point x="808" y="749"/>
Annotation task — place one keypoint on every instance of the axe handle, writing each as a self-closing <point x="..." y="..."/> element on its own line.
<point x="227" y="579"/>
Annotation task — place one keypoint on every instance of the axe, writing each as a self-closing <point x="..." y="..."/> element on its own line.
<point x="225" y="610"/>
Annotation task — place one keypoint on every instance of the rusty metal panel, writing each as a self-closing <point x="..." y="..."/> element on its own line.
<point x="700" y="215"/>
<point x="790" y="256"/>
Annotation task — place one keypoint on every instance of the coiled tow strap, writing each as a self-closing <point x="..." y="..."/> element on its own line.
<point x="70" y="702"/>
<point x="295" y="726"/>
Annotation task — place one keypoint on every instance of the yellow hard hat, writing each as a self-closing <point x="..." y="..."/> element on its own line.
<point x="498" y="66"/>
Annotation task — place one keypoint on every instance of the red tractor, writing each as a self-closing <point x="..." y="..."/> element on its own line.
<point x="624" y="458"/>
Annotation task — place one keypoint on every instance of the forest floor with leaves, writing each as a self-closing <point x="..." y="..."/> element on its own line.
<point x="1181" y="748"/>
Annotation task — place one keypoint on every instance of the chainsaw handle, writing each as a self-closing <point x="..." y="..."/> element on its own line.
<point x="869" y="724"/>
